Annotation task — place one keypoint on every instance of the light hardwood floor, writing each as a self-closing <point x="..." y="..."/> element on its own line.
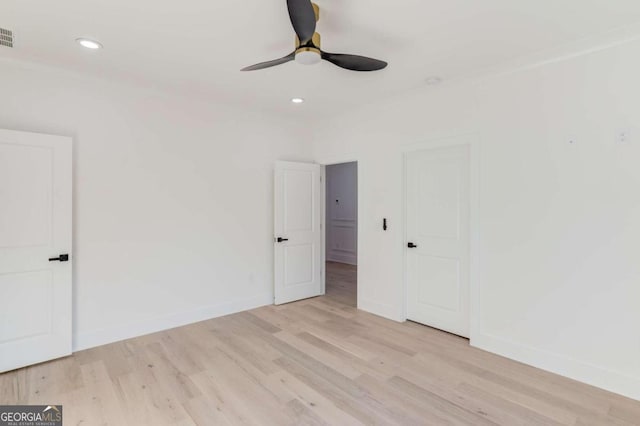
<point x="318" y="361"/>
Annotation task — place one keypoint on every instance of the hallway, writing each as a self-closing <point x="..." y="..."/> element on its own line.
<point x="342" y="283"/>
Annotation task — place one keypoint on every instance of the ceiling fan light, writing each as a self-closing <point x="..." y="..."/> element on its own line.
<point x="308" y="57"/>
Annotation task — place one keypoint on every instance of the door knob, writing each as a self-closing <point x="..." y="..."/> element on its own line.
<point x="281" y="240"/>
<point x="61" y="258"/>
<point x="411" y="245"/>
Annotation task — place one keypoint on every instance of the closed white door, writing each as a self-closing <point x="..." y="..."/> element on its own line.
<point x="438" y="243"/>
<point x="35" y="226"/>
<point x="298" y="232"/>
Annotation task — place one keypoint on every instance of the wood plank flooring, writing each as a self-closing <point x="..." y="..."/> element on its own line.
<point x="314" y="362"/>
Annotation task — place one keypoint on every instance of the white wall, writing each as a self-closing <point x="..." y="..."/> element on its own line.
<point x="559" y="269"/>
<point x="173" y="199"/>
<point x="342" y="213"/>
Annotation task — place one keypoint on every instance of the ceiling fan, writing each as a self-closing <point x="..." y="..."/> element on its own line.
<point x="304" y="16"/>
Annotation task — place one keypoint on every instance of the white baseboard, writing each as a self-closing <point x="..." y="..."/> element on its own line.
<point x="120" y="332"/>
<point x="560" y="364"/>
<point x="380" y="309"/>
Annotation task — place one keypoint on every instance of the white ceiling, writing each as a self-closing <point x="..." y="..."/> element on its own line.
<point x="198" y="46"/>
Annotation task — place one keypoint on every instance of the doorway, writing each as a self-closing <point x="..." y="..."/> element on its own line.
<point x="341" y="232"/>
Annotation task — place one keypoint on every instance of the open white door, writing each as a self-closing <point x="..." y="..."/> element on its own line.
<point x="438" y="238"/>
<point x="35" y="226"/>
<point x="298" y="232"/>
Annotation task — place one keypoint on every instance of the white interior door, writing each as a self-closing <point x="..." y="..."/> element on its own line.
<point x="298" y="232"/>
<point x="35" y="226"/>
<point x="437" y="266"/>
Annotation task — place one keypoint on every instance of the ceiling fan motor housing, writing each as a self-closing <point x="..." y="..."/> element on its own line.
<point x="309" y="54"/>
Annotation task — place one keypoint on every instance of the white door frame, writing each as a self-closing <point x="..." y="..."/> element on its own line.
<point x="323" y="172"/>
<point x="472" y="141"/>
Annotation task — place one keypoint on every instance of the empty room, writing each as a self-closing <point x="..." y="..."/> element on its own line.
<point x="288" y="212"/>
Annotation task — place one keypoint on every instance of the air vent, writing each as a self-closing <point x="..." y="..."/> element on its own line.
<point x="6" y="38"/>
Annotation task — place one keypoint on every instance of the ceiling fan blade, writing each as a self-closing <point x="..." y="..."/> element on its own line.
<point x="269" y="64"/>
<point x="303" y="19"/>
<point x="354" y="62"/>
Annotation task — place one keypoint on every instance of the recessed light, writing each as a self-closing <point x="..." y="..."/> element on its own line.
<point x="88" y="43"/>
<point x="433" y="81"/>
<point x="297" y="100"/>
